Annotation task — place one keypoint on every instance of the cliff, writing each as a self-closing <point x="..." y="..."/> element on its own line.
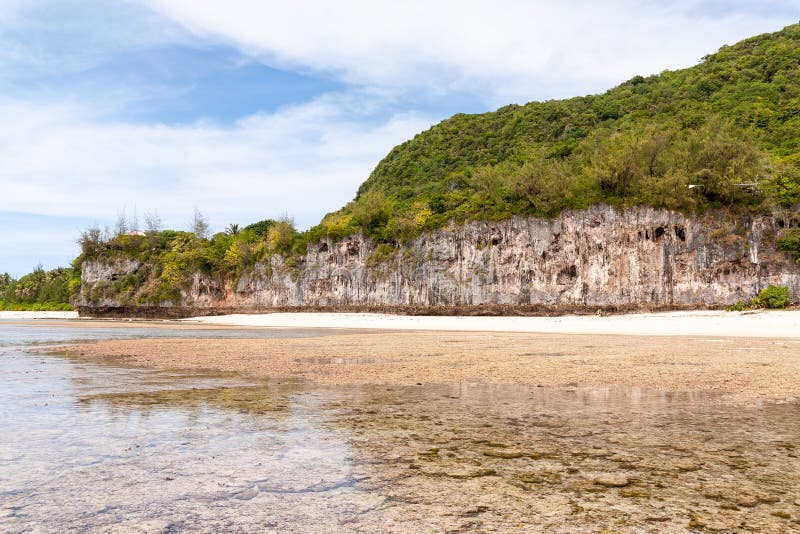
<point x="557" y="205"/>
<point x="600" y="257"/>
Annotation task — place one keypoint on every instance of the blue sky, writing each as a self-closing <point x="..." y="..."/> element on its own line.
<point x="253" y="109"/>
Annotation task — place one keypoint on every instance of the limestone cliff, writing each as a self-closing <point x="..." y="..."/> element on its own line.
<point x="595" y="257"/>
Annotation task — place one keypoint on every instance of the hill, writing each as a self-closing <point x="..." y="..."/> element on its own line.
<point x="722" y="137"/>
<point x="733" y="119"/>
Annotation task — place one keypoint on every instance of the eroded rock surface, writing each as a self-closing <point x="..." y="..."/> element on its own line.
<point x="594" y="257"/>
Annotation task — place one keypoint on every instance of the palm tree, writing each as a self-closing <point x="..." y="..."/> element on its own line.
<point x="232" y="229"/>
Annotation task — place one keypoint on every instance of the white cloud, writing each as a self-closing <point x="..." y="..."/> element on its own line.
<point x="505" y="50"/>
<point x="303" y="160"/>
<point x="63" y="157"/>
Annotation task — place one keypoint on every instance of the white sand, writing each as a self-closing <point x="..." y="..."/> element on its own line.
<point x="38" y="315"/>
<point x="701" y="323"/>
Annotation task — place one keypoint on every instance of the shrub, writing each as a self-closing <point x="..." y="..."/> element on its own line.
<point x="741" y="305"/>
<point x="774" y="297"/>
<point x="338" y="225"/>
<point x="260" y="228"/>
<point x="383" y="252"/>
<point x="786" y="187"/>
<point x="371" y="211"/>
<point x="790" y="242"/>
<point x="281" y="235"/>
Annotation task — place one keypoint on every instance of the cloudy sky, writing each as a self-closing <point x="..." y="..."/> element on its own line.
<point x="252" y="109"/>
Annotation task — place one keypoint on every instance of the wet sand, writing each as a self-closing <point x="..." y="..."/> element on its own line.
<point x="123" y="448"/>
<point x="740" y="370"/>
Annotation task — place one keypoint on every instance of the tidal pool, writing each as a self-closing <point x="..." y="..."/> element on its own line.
<point x="105" y="448"/>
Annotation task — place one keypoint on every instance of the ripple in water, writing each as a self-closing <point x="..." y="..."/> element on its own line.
<point x="93" y="447"/>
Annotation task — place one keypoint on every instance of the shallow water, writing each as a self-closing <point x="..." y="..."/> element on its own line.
<point x="109" y="448"/>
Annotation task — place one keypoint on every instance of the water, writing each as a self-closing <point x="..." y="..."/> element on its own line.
<point x="105" y="448"/>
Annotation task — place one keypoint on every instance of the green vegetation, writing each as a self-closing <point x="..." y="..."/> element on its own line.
<point x="170" y="257"/>
<point x="789" y="242"/>
<point x="729" y="127"/>
<point x="773" y="298"/>
<point x="724" y="134"/>
<point x="38" y="291"/>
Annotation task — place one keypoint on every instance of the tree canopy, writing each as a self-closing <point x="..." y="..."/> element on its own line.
<point x="724" y="133"/>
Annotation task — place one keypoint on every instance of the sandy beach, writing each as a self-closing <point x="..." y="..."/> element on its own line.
<point x="38" y="315"/>
<point x="744" y="357"/>
<point x="742" y="370"/>
<point x="768" y="324"/>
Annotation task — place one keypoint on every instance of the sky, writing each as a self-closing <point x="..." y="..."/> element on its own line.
<point x="248" y="110"/>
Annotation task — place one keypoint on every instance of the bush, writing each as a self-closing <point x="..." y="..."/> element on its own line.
<point x="741" y="305"/>
<point x="786" y="187"/>
<point x="774" y="297"/>
<point x="789" y="242"/>
<point x="260" y="228"/>
<point x="281" y="235"/>
<point x="382" y="253"/>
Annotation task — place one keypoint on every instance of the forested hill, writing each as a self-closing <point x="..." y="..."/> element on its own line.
<point x="733" y="119"/>
<point x="722" y="134"/>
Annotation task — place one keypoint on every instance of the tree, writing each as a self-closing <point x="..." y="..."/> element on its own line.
<point x="122" y="226"/>
<point x="199" y="225"/>
<point x="135" y="221"/>
<point x="232" y="229"/>
<point x="281" y="235"/>
<point x="152" y="222"/>
<point x="91" y="241"/>
<point x="371" y="210"/>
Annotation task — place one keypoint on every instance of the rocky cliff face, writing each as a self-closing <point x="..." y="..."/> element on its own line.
<point x="594" y="257"/>
<point x="97" y="277"/>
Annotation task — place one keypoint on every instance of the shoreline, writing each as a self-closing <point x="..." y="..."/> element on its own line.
<point x="757" y="324"/>
<point x="470" y="310"/>
<point x="38" y="314"/>
<point x="713" y="323"/>
<point x="735" y="370"/>
<point x="741" y="358"/>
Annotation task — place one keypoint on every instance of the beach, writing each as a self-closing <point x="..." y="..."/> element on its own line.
<point x="20" y="315"/>
<point x="392" y="431"/>
<point x="741" y="359"/>
<point x="770" y="324"/>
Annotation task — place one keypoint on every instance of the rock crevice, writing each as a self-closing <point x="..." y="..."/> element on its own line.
<point x="594" y="257"/>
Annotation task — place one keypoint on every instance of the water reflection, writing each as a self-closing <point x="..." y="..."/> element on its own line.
<point x="242" y="399"/>
<point x="91" y="447"/>
<point x="177" y="453"/>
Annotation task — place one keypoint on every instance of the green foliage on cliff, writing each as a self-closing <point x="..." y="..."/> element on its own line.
<point x="730" y="121"/>
<point x="169" y="258"/>
<point x="774" y="297"/>
<point x="39" y="291"/>
<point x="789" y="241"/>
<point x="771" y="298"/>
<point x="722" y="134"/>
